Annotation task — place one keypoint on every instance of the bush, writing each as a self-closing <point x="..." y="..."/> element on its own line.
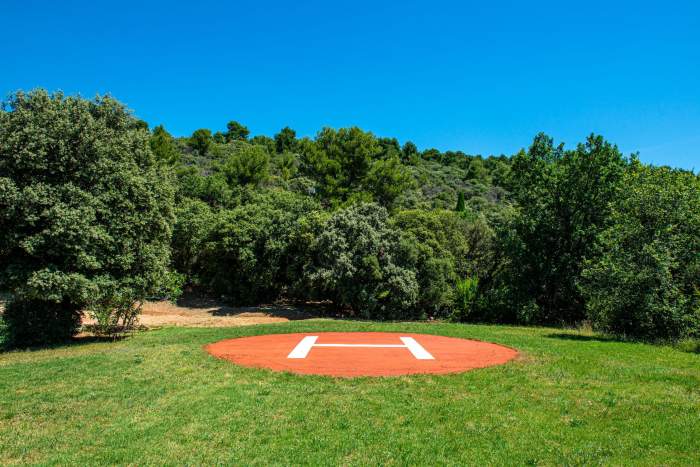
<point x="4" y="334"/>
<point x="354" y="264"/>
<point x="465" y="296"/>
<point x="434" y="245"/>
<point x="37" y="322"/>
<point x="645" y="281"/>
<point x="194" y="223"/>
<point x="84" y="209"/>
<point x="245" y="253"/>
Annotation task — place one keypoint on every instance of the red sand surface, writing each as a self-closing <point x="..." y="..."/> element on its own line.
<point x="450" y="355"/>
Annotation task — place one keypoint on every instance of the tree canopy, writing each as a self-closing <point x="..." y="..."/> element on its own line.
<point x="100" y="213"/>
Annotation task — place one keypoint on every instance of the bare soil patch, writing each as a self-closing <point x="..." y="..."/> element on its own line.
<point x="197" y="311"/>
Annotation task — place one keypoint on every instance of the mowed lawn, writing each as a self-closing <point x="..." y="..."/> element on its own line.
<point x="159" y="398"/>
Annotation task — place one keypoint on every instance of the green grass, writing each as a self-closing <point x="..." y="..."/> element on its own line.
<point x="159" y="398"/>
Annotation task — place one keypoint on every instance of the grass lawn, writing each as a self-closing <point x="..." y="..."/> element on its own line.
<point x="158" y="398"/>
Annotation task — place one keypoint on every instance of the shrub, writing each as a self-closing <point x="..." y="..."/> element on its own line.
<point x="30" y="322"/>
<point x="354" y="264"/>
<point x="4" y="333"/>
<point x="465" y="296"/>
<point x="434" y="244"/>
<point x="84" y="209"/>
<point x="245" y="254"/>
<point x="193" y="225"/>
<point x="645" y="280"/>
<point x="244" y="164"/>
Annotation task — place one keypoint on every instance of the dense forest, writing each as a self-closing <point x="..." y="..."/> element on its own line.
<point x="99" y="212"/>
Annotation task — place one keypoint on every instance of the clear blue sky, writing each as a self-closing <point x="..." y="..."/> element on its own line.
<point x="482" y="77"/>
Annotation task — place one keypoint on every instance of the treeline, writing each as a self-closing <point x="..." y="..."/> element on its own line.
<point x="101" y="213"/>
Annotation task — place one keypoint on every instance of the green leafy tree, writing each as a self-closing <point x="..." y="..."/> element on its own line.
<point x="465" y="296"/>
<point x="195" y="219"/>
<point x="287" y="165"/>
<point x="246" y="165"/>
<point x="387" y="179"/>
<point x="564" y="200"/>
<point x="461" y="207"/>
<point x="201" y="141"/>
<point x="645" y="281"/>
<point x="86" y="214"/>
<point x="246" y="252"/>
<point x="348" y="155"/>
<point x="409" y="151"/>
<point x="266" y="142"/>
<point x="164" y="148"/>
<point x="236" y="132"/>
<point x="219" y="138"/>
<point x="354" y="264"/>
<point x="285" y="140"/>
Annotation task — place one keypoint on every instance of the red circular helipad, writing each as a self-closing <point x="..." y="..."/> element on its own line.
<point x="361" y="353"/>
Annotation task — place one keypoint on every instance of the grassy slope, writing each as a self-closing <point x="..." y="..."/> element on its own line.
<point x="159" y="398"/>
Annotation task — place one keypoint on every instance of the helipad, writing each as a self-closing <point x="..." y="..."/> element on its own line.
<point x="350" y="354"/>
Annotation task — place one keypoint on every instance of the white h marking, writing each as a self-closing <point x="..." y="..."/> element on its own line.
<point x="304" y="346"/>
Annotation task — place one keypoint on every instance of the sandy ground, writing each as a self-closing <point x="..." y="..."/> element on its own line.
<point x="201" y="312"/>
<point x="205" y="312"/>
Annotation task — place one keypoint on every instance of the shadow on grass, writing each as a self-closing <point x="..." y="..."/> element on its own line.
<point x="689" y="346"/>
<point x="583" y="338"/>
<point x="76" y="341"/>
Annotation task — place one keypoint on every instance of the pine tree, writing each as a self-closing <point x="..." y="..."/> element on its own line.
<point x="461" y="207"/>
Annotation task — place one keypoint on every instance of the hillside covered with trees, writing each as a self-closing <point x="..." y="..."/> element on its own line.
<point x="99" y="212"/>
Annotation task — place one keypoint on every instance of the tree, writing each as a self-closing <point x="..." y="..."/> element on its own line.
<point x="354" y="264"/>
<point x="201" y="141"/>
<point x="285" y="140"/>
<point x="564" y="199"/>
<point x="86" y="214"/>
<point x="340" y="160"/>
<point x="461" y="207"/>
<point x="408" y="151"/>
<point x="246" y="165"/>
<point x="645" y="280"/>
<point x="246" y="251"/>
<point x="163" y="147"/>
<point x="219" y="138"/>
<point x="236" y="132"/>
<point x="387" y="179"/>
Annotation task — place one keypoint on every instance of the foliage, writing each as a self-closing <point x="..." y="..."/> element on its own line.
<point x="646" y="280"/>
<point x="564" y="202"/>
<point x="551" y="235"/>
<point x="85" y="208"/>
<point x="387" y="179"/>
<point x="200" y="141"/>
<point x="236" y="132"/>
<point x="244" y="254"/>
<point x="436" y="245"/>
<point x="194" y="219"/>
<point x="461" y="207"/>
<point x="465" y="297"/>
<point x="245" y="165"/>
<point x="354" y="263"/>
<point x="164" y="148"/>
<point x="285" y="140"/>
<point x="31" y="322"/>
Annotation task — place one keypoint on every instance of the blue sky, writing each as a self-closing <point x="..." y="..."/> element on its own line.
<point x="482" y="77"/>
